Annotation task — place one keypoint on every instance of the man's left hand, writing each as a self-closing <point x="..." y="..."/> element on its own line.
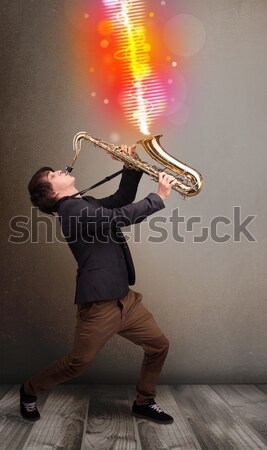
<point x="129" y="149"/>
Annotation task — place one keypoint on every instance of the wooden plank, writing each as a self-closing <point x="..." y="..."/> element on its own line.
<point x="215" y="424"/>
<point x="249" y="403"/>
<point x="63" y="420"/>
<point x="262" y="387"/>
<point x="177" y="435"/>
<point x="110" y="425"/>
<point x="14" y="430"/>
<point x="4" y="388"/>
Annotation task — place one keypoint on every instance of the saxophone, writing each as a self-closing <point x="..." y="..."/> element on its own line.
<point x="188" y="181"/>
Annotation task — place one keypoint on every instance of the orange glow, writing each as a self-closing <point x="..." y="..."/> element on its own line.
<point x="104" y="43"/>
<point x="105" y="27"/>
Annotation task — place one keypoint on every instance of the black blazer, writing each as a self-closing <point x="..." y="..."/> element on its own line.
<point x="92" y="229"/>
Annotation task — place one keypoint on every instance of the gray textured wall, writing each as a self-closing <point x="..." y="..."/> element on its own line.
<point x="209" y="298"/>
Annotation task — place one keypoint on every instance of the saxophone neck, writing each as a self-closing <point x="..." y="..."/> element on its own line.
<point x="78" y="138"/>
<point x="77" y="147"/>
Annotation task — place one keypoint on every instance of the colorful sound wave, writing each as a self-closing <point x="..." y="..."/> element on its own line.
<point x="130" y="60"/>
<point x="144" y="98"/>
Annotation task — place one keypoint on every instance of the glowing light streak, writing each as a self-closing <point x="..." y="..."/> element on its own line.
<point x="144" y="98"/>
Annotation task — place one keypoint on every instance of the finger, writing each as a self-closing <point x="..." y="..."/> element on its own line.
<point x="170" y="178"/>
<point x="166" y="179"/>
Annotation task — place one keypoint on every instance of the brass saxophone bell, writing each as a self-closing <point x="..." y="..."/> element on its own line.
<point x="189" y="180"/>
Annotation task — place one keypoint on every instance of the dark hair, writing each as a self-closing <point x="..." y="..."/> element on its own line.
<point x="41" y="191"/>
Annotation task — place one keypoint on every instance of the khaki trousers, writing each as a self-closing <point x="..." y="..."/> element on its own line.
<point x="97" y="322"/>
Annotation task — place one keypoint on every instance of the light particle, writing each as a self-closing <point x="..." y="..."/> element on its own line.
<point x="114" y="137"/>
<point x="104" y="43"/>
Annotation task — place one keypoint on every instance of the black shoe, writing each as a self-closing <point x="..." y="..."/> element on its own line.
<point x="28" y="408"/>
<point x="151" y="411"/>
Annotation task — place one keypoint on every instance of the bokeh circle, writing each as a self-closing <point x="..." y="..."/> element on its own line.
<point x="176" y="93"/>
<point x="184" y="35"/>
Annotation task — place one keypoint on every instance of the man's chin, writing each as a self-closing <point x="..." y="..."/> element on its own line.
<point x="71" y="177"/>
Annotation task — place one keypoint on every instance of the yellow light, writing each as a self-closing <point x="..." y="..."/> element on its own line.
<point x="138" y="63"/>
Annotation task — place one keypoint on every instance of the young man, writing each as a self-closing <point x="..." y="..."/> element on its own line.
<point x="105" y="303"/>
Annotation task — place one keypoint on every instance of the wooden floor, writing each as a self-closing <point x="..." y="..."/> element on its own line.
<point x="74" y="417"/>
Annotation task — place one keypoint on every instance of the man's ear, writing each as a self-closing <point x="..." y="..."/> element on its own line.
<point x="55" y="194"/>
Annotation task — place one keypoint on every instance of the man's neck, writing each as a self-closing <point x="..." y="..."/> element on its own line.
<point x="68" y="193"/>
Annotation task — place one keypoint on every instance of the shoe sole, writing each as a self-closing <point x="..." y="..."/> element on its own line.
<point x="153" y="420"/>
<point x="31" y="420"/>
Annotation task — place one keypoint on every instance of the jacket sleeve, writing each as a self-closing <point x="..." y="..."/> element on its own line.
<point x="90" y="217"/>
<point x="126" y="192"/>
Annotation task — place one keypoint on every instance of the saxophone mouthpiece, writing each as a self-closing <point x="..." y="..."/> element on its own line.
<point x="68" y="170"/>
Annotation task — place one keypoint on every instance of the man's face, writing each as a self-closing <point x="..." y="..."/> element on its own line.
<point x="60" y="181"/>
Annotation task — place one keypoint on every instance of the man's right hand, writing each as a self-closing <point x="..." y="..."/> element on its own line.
<point x="165" y="184"/>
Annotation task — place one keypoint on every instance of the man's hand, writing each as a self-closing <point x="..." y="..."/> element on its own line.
<point x="165" y="184"/>
<point x="129" y="149"/>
